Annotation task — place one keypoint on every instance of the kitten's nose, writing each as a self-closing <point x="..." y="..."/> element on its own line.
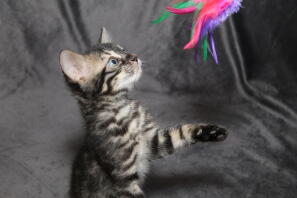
<point x="131" y="57"/>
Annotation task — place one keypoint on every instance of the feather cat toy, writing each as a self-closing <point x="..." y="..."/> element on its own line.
<point x="208" y="14"/>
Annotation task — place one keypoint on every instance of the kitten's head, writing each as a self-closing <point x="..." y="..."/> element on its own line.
<point x="107" y="68"/>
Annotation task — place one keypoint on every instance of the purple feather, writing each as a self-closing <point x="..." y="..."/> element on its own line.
<point x="213" y="48"/>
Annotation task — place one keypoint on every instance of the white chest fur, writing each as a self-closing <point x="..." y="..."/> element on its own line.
<point x="142" y="163"/>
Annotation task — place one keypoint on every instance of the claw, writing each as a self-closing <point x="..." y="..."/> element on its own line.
<point x="199" y="132"/>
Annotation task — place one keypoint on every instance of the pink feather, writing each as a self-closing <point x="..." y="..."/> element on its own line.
<point x="196" y="34"/>
<point x="211" y="9"/>
<point x="181" y="11"/>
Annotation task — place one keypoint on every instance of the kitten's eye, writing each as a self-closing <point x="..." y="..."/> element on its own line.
<point x="112" y="62"/>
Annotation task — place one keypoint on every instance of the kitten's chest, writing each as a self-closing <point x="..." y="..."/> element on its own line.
<point x="142" y="163"/>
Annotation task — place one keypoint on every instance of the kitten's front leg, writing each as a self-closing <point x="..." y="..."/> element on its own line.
<point x="132" y="190"/>
<point x="164" y="142"/>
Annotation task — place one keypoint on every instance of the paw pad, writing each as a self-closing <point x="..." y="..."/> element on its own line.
<point x="211" y="133"/>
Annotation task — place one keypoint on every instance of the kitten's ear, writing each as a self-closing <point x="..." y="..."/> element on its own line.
<point x="105" y="37"/>
<point x="74" y="66"/>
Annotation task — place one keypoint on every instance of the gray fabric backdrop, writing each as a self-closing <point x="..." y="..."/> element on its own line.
<point x="252" y="92"/>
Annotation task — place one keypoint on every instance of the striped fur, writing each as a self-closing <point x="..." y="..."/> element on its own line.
<point x="121" y="136"/>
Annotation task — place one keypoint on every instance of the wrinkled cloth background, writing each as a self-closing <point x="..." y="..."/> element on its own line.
<point x="252" y="92"/>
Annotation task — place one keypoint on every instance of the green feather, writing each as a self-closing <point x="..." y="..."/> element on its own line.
<point x="165" y="14"/>
<point x="183" y="4"/>
<point x="205" y="48"/>
<point x="163" y="17"/>
<point x="199" y="6"/>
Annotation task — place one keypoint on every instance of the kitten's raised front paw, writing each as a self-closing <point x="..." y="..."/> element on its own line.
<point x="210" y="133"/>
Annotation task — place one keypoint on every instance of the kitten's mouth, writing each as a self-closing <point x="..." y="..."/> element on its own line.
<point x="134" y="68"/>
<point x="138" y="67"/>
<point x="139" y="62"/>
<point x="134" y="71"/>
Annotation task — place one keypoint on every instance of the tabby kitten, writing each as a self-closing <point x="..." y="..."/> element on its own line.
<point x="121" y="137"/>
